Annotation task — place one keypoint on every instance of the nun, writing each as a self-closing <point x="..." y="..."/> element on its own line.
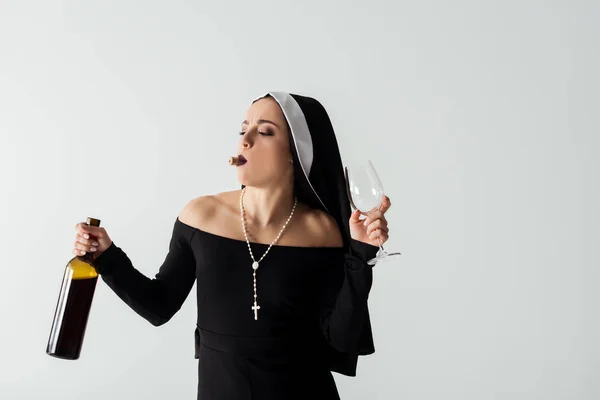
<point x="280" y="265"/>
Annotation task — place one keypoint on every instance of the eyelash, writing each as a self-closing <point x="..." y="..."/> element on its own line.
<point x="262" y="133"/>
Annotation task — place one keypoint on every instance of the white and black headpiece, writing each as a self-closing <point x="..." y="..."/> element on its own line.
<point x="319" y="175"/>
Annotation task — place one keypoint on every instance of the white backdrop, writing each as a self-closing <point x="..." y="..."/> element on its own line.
<point x="481" y="117"/>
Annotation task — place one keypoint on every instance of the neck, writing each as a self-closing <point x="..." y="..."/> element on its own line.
<point x="267" y="208"/>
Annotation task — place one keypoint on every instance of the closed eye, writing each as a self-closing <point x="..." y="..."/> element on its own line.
<point x="261" y="133"/>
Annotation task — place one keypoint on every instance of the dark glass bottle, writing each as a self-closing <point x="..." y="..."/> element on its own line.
<point x="73" y="306"/>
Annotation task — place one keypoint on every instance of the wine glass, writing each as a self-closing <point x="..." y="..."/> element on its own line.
<point x="365" y="193"/>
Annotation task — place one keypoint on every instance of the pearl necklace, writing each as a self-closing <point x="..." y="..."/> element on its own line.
<point x="255" y="264"/>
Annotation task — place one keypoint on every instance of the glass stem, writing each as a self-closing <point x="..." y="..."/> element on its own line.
<point x="381" y="249"/>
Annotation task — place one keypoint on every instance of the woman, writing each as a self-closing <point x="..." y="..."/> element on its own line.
<point x="280" y="265"/>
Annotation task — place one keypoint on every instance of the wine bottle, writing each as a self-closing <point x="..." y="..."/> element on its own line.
<point x="73" y="306"/>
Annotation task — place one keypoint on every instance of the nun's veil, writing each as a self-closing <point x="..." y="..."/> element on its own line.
<point x="318" y="171"/>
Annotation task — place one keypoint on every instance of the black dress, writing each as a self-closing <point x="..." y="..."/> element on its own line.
<point x="313" y="316"/>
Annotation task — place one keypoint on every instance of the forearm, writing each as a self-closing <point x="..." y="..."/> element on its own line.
<point x="346" y="318"/>
<point x="147" y="297"/>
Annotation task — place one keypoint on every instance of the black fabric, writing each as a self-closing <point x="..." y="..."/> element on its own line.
<point x="312" y="320"/>
<point x="327" y="179"/>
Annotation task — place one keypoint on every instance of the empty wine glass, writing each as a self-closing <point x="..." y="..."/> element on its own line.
<point x="365" y="193"/>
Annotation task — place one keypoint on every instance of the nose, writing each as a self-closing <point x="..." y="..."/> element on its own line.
<point x="246" y="141"/>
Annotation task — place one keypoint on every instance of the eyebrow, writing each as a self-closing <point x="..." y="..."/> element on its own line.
<point x="262" y="121"/>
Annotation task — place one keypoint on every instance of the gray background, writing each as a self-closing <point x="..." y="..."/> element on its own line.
<point x="481" y="117"/>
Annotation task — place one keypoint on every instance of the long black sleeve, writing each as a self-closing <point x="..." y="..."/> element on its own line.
<point x="157" y="299"/>
<point x="345" y="321"/>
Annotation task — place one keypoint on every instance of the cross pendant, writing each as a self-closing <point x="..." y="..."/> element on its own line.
<point x="255" y="307"/>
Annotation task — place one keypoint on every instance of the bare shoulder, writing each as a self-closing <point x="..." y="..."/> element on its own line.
<point x="202" y="212"/>
<point x="323" y="228"/>
<point x="197" y="210"/>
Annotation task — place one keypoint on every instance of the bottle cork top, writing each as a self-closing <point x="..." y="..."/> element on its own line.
<point x="93" y="221"/>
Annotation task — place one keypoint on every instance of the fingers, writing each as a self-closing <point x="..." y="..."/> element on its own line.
<point x="80" y="249"/>
<point x="84" y="241"/>
<point x="385" y="205"/>
<point x="88" y="231"/>
<point x="374" y="216"/>
<point x="84" y="244"/>
<point x="380" y="224"/>
<point x="379" y="234"/>
<point x="87" y="238"/>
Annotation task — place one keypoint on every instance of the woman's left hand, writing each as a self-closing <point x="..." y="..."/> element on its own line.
<point x="373" y="229"/>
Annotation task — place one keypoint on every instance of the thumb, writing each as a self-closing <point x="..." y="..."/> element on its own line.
<point x="354" y="217"/>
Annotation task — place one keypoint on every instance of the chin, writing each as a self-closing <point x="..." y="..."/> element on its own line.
<point x="243" y="179"/>
<point x="251" y="179"/>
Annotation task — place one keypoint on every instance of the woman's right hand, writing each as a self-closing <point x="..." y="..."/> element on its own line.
<point x="90" y="239"/>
